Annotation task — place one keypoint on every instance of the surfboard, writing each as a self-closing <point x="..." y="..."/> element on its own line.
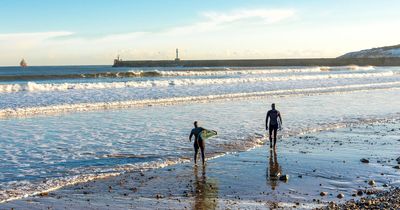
<point x="205" y="134"/>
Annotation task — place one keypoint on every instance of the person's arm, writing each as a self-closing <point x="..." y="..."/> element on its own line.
<point x="280" y="117"/>
<point x="190" y="136"/>
<point x="266" y="121"/>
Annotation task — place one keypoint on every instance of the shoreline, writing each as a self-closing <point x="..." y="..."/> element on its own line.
<point x="241" y="180"/>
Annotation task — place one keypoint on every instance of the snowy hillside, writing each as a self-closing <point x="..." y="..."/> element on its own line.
<point x="389" y="51"/>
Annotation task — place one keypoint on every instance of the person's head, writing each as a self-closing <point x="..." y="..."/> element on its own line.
<point x="273" y="106"/>
<point x="195" y="124"/>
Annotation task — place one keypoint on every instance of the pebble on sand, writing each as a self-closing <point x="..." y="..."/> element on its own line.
<point x="360" y="193"/>
<point x="371" y="182"/>
<point x="363" y="160"/>
<point x="340" y="195"/>
<point x="323" y="194"/>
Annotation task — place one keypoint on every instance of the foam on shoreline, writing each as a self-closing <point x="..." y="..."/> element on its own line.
<point x="52" y="185"/>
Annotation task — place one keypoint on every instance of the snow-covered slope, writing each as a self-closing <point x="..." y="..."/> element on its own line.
<point x="381" y="52"/>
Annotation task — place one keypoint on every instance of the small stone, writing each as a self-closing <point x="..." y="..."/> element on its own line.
<point x="360" y="193"/>
<point x="340" y="196"/>
<point x="363" y="160"/>
<point x="323" y="194"/>
<point x="158" y="196"/>
<point x="396" y="167"/>
<point x="371" y="182"/>
<point x="385" y="185"/>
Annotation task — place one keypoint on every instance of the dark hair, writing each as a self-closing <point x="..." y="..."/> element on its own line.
<point x="195" y="123"/>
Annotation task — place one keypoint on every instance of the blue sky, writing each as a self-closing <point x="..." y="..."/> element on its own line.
<point x="64" y="32"/>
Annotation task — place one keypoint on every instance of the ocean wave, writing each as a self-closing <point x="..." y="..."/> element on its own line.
<point x="177" y="73"/>
<point x="28" y="111"/>
<point x="32" y="86"/>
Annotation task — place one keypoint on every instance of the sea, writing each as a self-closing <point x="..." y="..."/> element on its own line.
<point x="61" y="125"/>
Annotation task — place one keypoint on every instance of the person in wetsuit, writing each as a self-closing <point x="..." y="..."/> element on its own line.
<point x="198" y="142"/>
<point x="273" y="116"/>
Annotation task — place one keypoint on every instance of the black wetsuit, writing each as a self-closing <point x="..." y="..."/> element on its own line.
<point x="198" y="142"/>
<point x="273" y="126"/>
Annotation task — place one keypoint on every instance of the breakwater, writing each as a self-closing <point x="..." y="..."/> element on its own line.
<point x="262" y="62"/>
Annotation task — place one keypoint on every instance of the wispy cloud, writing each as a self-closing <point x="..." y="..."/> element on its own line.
<point x="213" y="20"/>
<point x="267" y="16"/>
<point x="35" y="35"/>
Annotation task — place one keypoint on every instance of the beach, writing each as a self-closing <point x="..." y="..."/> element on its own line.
<point x="327" y="161"/>
<point x="122" y="142"/>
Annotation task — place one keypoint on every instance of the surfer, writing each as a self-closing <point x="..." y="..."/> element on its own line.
<point x="198" y="142"/>
<point x="274" y="124"/>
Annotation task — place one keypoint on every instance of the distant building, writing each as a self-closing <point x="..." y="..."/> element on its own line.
<point x="118" y="59"/>
<point x="177" y="55"/>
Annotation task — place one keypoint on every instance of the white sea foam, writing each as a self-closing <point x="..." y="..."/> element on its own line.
<point x="26" y="189"/>
<point x="346" y="68"/>
<point x="15" y="112"/>
<point x="229" y="71"/>
<point x="32" y="86"/>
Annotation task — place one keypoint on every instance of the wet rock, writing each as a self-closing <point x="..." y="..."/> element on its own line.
<point x="363" y="160"/>
<point x="371" y="182"/>
<point x="360" y="193"/>
<point x="284" y="178"/>
<point x="396" y="167"/>
<point x="158" y="196"/>
<point x="385" y="185"/>
<point x="398" y="160"/>
<point x="323" y="193"/>
<point x="340" y="195"/>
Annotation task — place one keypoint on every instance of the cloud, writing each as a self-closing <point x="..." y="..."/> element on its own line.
<point x="213" y="20"/>
<point x="265" y="15"/>
<point x="35" y="35"/>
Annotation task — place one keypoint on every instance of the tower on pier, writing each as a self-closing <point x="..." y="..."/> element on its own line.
<point x="177" y="55"/>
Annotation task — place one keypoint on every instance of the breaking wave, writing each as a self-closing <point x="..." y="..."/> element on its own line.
<point x="32" y="86"/>
<point x="176" y="73"/>
<point x="15" y="112"/>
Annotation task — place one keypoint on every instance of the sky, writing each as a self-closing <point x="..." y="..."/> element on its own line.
<point x="90" y="32"/>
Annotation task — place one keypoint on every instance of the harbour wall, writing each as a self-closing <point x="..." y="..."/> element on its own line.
<point x="262" y="62"/>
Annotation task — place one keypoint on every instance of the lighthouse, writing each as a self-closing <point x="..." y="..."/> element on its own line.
<point x="177" y="55"/>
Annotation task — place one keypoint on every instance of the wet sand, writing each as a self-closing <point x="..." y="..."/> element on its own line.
<point x="326" y="163"/>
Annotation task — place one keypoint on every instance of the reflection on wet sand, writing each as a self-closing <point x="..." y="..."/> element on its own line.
<point x="205" y="191"/>
<point x="274" y="169"/>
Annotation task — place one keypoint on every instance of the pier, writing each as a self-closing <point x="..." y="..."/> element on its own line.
<point x="393" y="61"/>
